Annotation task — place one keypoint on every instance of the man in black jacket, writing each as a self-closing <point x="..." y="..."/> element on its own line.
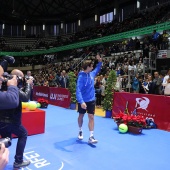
<point x="64" y="80"/>
<point x="10" y="121"/>
<point x="157" y="83"/>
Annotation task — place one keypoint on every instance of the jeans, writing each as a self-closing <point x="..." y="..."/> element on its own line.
<point x="7" y="129"/>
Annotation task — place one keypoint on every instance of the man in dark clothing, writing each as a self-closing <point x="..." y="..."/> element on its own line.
<point x="29" y="76"/>
<point x="10" y="121"/>
<point x="157" y="83"/>
<point x="151" y="85"/>
<point x="141" y="89"/>
<point x="64" y="80"/>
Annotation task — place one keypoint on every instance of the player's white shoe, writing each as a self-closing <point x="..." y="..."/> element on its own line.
<point x="80" y="136"/>
<point x="92" y="140"/>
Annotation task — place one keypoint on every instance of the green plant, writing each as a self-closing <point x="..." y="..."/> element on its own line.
<point x="109" y="91"/>
<point x="72" y="86"/>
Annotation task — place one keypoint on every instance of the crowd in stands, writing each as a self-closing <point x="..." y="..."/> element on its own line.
<point x="148" y="43"/>
<point x="132" y="69"/>
<point x="130" y="76"/>
<point x="137" y="20"/>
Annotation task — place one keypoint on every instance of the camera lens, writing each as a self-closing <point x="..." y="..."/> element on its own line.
<point x="6" y="142"/>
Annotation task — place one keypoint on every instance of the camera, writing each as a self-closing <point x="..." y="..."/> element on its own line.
<point x="7" y="77"/>
<point x="4" y="83"/>
<point x="6" y="142"/>
<point x="4" y="61"/>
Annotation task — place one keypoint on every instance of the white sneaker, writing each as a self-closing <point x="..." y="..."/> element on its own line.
<point x="80" y="136"/>
<point x="92" y="140"/>
<point x="22" y="164"/>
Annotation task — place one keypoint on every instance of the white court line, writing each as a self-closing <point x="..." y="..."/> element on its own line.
<point x="62" y="165"/>
<point x="26" y="168"/>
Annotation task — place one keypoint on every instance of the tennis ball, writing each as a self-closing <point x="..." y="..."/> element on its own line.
<point x="24" y="105"/>
<point x="38" y="105"/>
<point x="123" y="128"/>
<point x="32" y="105"/>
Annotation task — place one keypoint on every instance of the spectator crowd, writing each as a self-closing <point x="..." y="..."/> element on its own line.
<point x="132" y="69"/>
<point x="139" y="19"/>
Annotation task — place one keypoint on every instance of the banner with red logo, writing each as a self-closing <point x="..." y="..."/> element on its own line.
<point x="151" y="106"/>
<point x="59" y="97"/>
<point x="55" y="96"/>
<point x="40" y="92"/>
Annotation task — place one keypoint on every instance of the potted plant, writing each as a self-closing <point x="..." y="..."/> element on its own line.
<point x="135" y="123"/>
<point x="43" y="102"/>
<point x="72" y="89"/>
<point x="109" y="91"/>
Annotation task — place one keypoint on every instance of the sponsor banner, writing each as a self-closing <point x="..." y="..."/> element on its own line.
<point x="59" y="97"/>
<point x="55" y="96"/>
<point x="40" y="92"/>
<point x="151" y="106"/>
<point x="162" y="54"/>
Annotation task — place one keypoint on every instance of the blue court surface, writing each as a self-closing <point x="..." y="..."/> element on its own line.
<point x="59" y="149"/>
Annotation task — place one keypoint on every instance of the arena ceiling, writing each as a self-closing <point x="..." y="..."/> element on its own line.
<point x="51" y="11"/>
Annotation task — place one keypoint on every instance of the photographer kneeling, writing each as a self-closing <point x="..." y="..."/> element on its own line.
<point x="10" y="120"/>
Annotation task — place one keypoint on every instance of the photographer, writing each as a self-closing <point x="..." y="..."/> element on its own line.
<point x="10" y="98"/>
<point x="10" y="120"/>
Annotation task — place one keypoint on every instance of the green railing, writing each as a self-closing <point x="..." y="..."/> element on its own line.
<point x="128" y="34"/>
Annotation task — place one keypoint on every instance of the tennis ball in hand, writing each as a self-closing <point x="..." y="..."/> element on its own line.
<point x="32" y="105"/>
<point x="123" y="128"/>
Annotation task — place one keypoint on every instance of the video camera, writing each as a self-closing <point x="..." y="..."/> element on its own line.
<point x="6" y="142"/>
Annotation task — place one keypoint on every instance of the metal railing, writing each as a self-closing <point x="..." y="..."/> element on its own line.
<point x="82" y="60"/>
